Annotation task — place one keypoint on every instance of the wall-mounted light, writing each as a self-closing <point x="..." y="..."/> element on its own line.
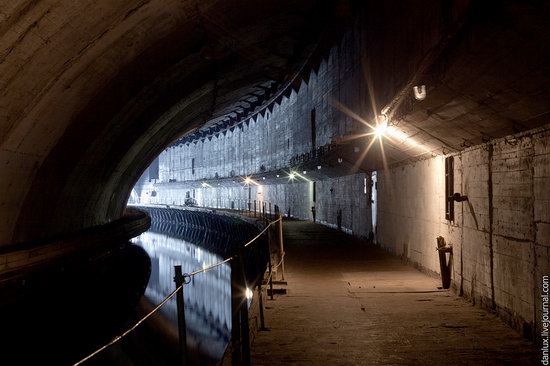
<point x="292" y="175"/>
<point x="318" y="167"/>
<point x="305" y="172"/>
<point x="277" y="175"/>
<point x="263" y="178"/>
<point x="419" y="92"/>
<point x="248" y="181"/>
<point x="340" y="160"/>
<point x="381" y="127"/>
<point x="248" y="293"/>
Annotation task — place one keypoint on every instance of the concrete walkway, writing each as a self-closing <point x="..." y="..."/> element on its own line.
<point x="353" y="304"/>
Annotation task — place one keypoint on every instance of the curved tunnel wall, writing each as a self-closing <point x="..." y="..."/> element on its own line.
<point x="267" y="143"/>
<point x="352" y="76"/>
<point x="93" y="91"/>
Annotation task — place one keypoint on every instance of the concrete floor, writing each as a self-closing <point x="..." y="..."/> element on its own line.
<point x="352" y="304"/>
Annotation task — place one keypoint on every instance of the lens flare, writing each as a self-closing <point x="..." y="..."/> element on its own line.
<point x="381" y="129"/>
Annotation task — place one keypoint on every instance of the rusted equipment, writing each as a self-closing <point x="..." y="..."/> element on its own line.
<point x="445" y="266"/>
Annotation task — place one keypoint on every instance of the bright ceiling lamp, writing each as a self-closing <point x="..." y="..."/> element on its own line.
<point x="381" y="126"/>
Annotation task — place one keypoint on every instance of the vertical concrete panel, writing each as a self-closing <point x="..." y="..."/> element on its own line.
<point x="541" y="212"/>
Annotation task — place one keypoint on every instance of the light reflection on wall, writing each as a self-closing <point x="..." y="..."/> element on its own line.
<point x="207" y="297"/>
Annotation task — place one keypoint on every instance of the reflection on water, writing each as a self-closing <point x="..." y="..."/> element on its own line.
<point x="207" y="297"/>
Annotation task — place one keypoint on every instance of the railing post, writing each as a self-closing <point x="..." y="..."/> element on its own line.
<point x="182" y="329"/>
<point x="245" y="329"/>
<point x="270" y="264"/>
<point x="261" y="304"/>
<point x="259" y="281"/>
<point x="281" y="247"/>
<point x="236" y="297"/>
<point x="254" y="208"/>
<point x="240" y="332"/>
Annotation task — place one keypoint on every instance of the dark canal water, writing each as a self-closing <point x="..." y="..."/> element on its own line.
<point x="207" y="297"/>
<point x="61" y="313"/>
<point x="180" y="238"/>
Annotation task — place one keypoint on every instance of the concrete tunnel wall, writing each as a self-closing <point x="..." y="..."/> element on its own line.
<point x="268" y="141"/>
<point x="93" y="91"/>
<point x="500" y="236"/>
<point x="345" y="193"/>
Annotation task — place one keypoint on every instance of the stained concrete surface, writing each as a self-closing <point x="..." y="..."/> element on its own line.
<point x="349" y="303"/>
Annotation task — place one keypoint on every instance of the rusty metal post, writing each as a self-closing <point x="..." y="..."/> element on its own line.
<point x="445" y="267"/>
<point x="182" y="328"/>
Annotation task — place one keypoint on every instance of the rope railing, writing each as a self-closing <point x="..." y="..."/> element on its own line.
<point x="119" y="337"/>
<point x="186" y="280"/>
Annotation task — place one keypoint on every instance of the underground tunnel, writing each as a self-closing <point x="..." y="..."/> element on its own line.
<point x="274" y="182"/>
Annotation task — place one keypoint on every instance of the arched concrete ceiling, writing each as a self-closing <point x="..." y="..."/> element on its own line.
<point x="491" y="79"/>
<point x="486" y="76"/>
<point x="91" y="91"/>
